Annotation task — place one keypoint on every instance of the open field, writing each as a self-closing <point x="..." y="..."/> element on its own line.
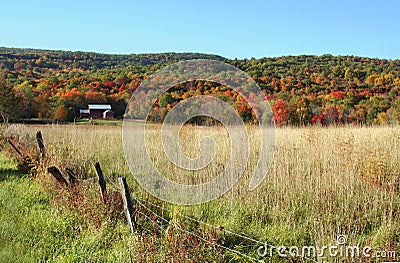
<point x="323" y="182"/>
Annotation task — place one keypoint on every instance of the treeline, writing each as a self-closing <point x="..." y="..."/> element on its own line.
<point x="38" y="60"/>
<point x="301" y="89"/>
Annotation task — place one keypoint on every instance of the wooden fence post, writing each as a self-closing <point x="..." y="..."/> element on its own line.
<point x="15" y="147"/>
<point x="54" y="171"/>
<point x="39" y="139"/>
<point x="71" y="177"/>
<point x="128" y="205"/>
<point x="102" y="182"/>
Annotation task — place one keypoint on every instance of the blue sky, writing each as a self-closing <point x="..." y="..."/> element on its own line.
<point x="241" y="29"/>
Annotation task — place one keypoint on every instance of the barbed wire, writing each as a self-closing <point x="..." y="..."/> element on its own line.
<point x="187" y="231"/>
<point x="210" y="225"/>
<point x="151" y="220"/>
<point x="193" y="234"/>
<point x="141" y="202"/>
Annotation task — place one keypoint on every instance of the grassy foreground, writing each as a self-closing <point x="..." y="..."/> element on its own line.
<point x="35" y="227"/>
<point x="323" y="182"/>
<point x="33" y="230"/>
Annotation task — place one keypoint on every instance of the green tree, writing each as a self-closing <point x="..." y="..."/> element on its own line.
<point x="337" y="72"/>
<point x="10" y="103"/>
<point x="374" y="106"/>
<point x="165" y="99"/>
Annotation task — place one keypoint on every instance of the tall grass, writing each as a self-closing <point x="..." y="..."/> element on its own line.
<point x="323" y="181"/>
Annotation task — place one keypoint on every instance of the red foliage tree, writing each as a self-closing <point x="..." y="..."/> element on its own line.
<point x="280" y="110"/>
<point x="93" y="96"/>
<point x="338" y="94"/>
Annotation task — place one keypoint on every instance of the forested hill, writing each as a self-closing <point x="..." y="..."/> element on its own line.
<point x="58" y="60"/>
<point x="24" y="58"/>
<point x="302" y="89"/>
<point x="325" y="65"/>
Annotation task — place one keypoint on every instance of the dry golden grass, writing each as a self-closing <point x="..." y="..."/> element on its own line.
<point x="323" y="181"/>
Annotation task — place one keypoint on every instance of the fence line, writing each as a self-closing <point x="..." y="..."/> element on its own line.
<point x="214" y="227"/>
<point x="142" y="201"/>
<point x="210" y="225"/>
<point x="132" y="210"/>
<point x="194" y="234"/>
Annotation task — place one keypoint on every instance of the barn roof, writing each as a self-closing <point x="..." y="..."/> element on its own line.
<point x="83" y="111"/>
<point x="99" y="107"/>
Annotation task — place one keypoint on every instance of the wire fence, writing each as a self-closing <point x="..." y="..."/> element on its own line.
<point x="148" y="210"/>
<point x="146" y="203"/>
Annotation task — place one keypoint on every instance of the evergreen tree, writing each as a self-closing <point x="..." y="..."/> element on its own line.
<point x="10" y="103"/>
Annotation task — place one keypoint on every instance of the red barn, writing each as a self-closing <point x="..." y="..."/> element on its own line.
<point x="108" y="114"/>
<point x="97" y="111"/>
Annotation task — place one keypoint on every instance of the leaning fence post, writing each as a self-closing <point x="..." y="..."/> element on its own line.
<point x="39" y="139"/>
<point x="102" y="182"/>
<point x="15" y="147"/>
<point x="128" y="205"/>
<point x="54" y="171"/>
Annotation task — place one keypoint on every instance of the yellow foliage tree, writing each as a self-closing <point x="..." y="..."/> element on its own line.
<point x="61" y="113"/>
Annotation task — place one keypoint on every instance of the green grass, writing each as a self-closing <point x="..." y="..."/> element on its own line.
<point x="33" y="230"/>
<point x="35" y="227"/>
<point x="99" y="122"/>
<point x="8" y="168"/>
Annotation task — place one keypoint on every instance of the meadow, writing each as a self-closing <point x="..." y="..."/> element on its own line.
<point x="323" y="182"/>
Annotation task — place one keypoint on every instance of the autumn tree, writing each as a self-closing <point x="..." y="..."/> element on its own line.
<point x="280" y="110"/>
<point x="93" y="96"/>
<point x="25" y="91"/>
<point x="41" y="105"/>
<point x="61" y="113"/>
<point x="73" y="100"/>
<point x="299" y="110"/>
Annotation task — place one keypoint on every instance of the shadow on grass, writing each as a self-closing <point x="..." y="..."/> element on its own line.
<point x="6" y="173"/>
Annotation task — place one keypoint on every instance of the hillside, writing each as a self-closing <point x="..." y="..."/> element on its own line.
<point x="12" y="58"/>
<point x="302" y="89"/>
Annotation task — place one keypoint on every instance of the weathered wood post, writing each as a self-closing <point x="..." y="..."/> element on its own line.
<point x="42" y="149"/>
<point x="128" y="205"/>
<point x="71" y="177"/>
<point x="102" y="182"/>
<point x="26" y="165"/>
<point x="15" y="147"/>
<point x="54" y="171"/>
